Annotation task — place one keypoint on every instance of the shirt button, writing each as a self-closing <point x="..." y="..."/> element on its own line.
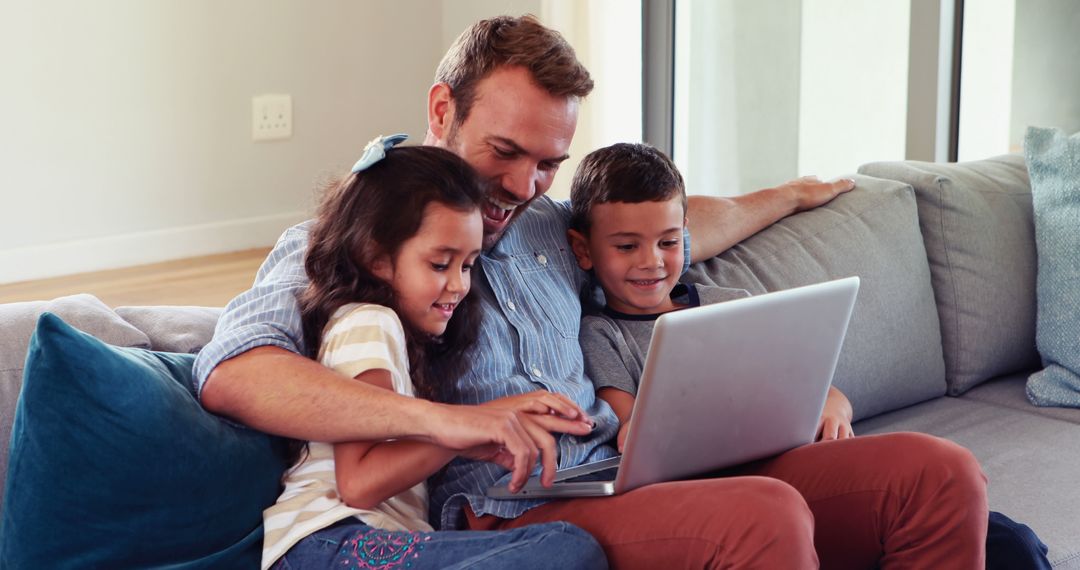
<point x="542" y="259"/>
<point x="536" y="372"/>
<point x="510" y="305"/>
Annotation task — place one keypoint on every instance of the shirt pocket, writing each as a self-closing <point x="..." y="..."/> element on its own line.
<point x="551" y="279"/>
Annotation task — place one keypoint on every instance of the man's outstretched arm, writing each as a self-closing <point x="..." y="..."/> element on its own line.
<point x="275" y="391"/>
<point x="253" y="371"/>
<point x="717" y="223"/>
<point x="278" y="392"/>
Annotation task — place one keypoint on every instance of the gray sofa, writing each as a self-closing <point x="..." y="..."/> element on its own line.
<point x="941" y="340"/>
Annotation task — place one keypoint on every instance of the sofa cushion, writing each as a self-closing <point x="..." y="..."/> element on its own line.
<point x="114" y="464"/>
<point x="1010" y="391"/>
<point x="891" y="356"/>
<point x="173" y="328"/>
<point x="17" y="321"/>
<point x="1054" y="162"/>
<point x="1028" y="458"/>
<point x="976" y="221"/>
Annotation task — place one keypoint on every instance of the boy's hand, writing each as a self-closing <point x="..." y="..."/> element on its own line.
<point x="620" y="441"/>
<point x="835" y="420"/>
<point x="622" y="403"/>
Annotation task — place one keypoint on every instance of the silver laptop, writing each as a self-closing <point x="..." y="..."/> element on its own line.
<point x="723" y="384"/>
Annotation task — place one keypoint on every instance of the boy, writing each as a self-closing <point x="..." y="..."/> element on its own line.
<point x="629" y="211"/>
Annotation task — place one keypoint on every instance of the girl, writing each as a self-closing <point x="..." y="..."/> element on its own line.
<point x="389" y="261"/>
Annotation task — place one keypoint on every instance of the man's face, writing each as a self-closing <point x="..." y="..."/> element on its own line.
<point x="516" y="136"/>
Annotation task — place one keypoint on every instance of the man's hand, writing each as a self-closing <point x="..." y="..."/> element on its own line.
<point x="809" y="192"/>
<point x="717" y="223"/>
<point x="542" y="413"/>
<point x="835" y="420"/>
<point x="512" y="432"/>
<point x="541" y="402"/>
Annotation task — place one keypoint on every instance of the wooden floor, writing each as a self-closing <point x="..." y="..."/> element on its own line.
<point x="208" y="281"/>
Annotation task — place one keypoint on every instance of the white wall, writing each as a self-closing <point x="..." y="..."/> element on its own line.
<point x="853" y="100"/>
<point x="737" y="94"/>
<point x="1046" y="73"/>
<point x="606" y="34"/>
<point x="126" y="131"/>
<point x="460" y="14"/>
<point x="987" y="77"/>
<point x="768" y="91"/>
<point x="706" y="134"/>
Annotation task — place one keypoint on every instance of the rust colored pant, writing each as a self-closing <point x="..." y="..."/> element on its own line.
<point x="900" y="500"/>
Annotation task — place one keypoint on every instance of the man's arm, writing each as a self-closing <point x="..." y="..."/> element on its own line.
<point x="253" y="371"/>
<point x="276" y="391"/>
<point x="717" y="223"/>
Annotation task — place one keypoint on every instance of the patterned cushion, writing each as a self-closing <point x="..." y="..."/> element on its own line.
<point x="1054" y="162"/>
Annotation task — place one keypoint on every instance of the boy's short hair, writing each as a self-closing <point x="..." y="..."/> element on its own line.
<point x="622" y="172"/>
<point x="511" y="41"/>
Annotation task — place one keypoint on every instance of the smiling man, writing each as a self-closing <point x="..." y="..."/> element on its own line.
<point x="516" y="138"/>
<point x="506" y="99"/>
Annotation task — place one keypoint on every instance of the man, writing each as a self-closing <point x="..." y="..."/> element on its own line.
<point x="506" y="99"/>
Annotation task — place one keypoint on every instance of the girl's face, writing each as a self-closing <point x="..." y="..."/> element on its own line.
<point x="430" y="274"/>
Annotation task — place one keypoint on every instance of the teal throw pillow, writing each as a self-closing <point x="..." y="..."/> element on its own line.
<point x="115" y="464"/>
<point x="1053" y="161"/>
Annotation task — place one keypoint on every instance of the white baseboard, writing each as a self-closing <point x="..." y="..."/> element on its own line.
<point x="126" y="250"/>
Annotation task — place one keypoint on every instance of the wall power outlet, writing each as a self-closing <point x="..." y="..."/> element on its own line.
<point x="271" y="117"/>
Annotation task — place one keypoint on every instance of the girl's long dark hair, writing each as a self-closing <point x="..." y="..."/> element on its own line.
<point x="371" y="214"/>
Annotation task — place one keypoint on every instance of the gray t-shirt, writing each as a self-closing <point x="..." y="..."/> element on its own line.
<point x="614" y="344"/>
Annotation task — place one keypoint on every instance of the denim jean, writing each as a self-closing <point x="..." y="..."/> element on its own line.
<point x="1013" y="546"/>
<point x="352" y="545"/>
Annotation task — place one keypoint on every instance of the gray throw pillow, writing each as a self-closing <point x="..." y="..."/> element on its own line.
<point x="173" y="328"/>
<point x="1054" y="162"/>
<point x="17" y="322"/>
<point x="976" y="222"/>
<point x="891" y="356"/>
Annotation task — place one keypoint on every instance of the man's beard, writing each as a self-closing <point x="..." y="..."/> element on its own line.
<point x="493" y="188"/>
<point x="490" y="187"/>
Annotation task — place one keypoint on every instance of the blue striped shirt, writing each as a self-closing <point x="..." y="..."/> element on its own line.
<point x="527" y="289"/>
<point x="268" y="314"/>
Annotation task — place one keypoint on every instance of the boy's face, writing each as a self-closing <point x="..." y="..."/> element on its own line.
<point x="636" y="251"/>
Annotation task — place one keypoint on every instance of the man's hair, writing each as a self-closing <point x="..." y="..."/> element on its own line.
<point x="622" y="172"/>
<point x="508" y="41"/>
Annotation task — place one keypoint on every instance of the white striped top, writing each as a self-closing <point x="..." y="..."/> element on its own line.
<point x="357" y="338"/>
